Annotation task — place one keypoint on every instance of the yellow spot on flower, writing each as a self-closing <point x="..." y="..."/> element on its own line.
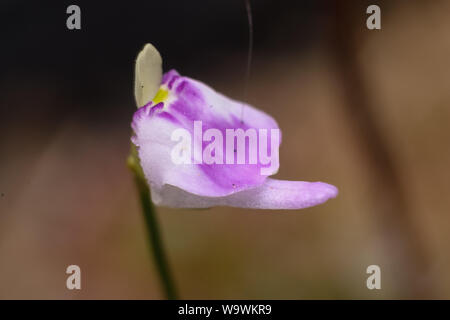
<point x="161" y="95"/>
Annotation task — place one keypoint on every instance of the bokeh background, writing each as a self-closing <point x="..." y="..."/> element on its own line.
<point x="368" y="111"/>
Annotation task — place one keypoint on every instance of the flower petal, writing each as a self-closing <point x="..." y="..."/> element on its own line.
<point x="171" y="102"/>
<point x="153" y="141"/>
<point x="148" y="74"/>
<point x="273" y="194"/>
<point x="179" y="103"/>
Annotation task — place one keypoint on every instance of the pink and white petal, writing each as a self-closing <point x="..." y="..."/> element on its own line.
<point x="197" y="101"/>
<point x="189" y="101"/>
<point x="273" y="194"/>
<point x="153" y="141"/>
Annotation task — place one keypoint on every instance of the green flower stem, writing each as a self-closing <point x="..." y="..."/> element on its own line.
<point x="151" y="222"/>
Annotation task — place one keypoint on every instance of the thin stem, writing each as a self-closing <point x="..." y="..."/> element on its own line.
<point x="155" y="239"/>
<point x="248" y="8"/>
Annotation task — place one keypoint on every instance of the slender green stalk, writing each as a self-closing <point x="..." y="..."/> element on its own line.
<point x="151" y="222"/>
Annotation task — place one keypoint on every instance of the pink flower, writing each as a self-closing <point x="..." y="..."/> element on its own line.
<point x="172" y="103"/>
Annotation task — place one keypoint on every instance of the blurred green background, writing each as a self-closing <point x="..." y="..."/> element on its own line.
<point x="367" y="111"/>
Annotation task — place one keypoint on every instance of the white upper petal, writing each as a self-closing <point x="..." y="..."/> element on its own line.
<point x="148" y="74"/>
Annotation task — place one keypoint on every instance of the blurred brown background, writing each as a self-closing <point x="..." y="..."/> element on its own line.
<point x="367" y="111"/>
